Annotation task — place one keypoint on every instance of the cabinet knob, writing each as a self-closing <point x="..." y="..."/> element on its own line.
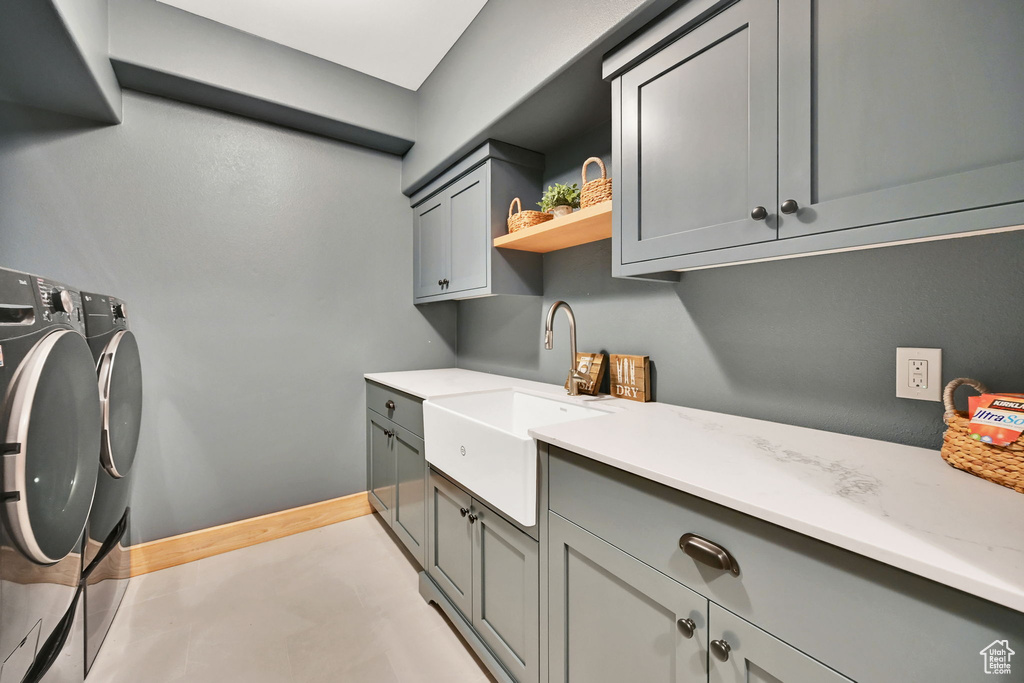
<point x="720" y="649"/>
<point x="440" y="283"/>
<point x="445" y="282"/>
<point x="789" y="206"/>
<point x="463" y="511"/>
<point x="390" y="405"/>
<point x="472" y="518"/>
<point x="759" y="213"/>
<point x="687" y="627"/>
<point x="706" y="552"/>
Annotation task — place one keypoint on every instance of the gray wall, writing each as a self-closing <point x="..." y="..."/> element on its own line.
<point x="808" y="341"/>
<point x="232" y="70"/>
<point x="266" y="270"/>
<point x="508" y="53"/>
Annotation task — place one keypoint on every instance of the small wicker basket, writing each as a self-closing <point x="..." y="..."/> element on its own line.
<point x="524" y="219"/>
<point x="595" y="191"/>
<point x="1003" y="465"/>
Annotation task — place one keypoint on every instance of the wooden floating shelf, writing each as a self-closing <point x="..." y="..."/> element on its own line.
<point x="586" y="225"/>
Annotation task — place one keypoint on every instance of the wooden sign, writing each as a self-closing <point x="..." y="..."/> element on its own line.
<point x="631" y="377"/>
<point x="591" y="364"/>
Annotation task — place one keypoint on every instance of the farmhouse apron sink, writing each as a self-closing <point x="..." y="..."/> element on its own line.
<point x="481" y="440"/>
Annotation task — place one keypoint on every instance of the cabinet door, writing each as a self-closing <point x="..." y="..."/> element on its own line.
<point x="754" y="656"/>
<point x="698" y="135"/>
<point x="380" y="464"/>
<point x="506" y="593"/>
<point x="897" y="110"/>
<point x="613" y="618"/>
<point x="410" y="509"/>
<point x="450" y="542"/>
<point x="470" y="241"/>
<point x="431" y="231"/>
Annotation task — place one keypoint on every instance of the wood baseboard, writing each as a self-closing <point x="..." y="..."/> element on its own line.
<point x="195" y="545"/>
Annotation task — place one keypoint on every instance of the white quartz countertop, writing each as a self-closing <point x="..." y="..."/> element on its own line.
<point x="896" y="504"/>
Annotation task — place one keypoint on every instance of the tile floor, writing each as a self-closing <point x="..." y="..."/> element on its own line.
<point x="334" y="604"/>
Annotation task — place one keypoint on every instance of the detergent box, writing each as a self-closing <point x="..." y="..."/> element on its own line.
<point x="997" y="419"/>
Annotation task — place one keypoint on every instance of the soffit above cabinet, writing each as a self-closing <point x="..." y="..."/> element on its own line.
<point x="385" y="39"/>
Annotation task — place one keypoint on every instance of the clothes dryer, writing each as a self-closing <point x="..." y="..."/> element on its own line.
<point x="106" y="550"/>
<point x="49" y="437"/>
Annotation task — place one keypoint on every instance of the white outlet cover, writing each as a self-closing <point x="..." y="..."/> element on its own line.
<point x="933" y="389"/>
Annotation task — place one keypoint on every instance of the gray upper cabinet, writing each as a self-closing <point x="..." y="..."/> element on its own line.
<point x="457" y="217"/>
<point x="743" y="653"/>
<point x="890" y="111"/>
<point x="698" y="140"/>
<point x="613" y="618"/>
<point x="761" y="129"/>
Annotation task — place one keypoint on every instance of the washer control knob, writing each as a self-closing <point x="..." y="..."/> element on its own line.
<point x="62" y="301"/>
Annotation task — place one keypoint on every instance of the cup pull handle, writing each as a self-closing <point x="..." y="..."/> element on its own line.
<point x="707" y="552"/>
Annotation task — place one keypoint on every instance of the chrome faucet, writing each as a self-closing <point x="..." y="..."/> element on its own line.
<point x="576" y="378"/>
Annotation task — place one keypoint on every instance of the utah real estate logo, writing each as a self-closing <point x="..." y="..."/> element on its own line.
<point x="997" y="657"/>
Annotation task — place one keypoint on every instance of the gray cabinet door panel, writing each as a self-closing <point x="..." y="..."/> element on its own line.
<point x="506" y="593"/>
<point x="470" y="241"/>
<point x="698" y="138"/>
<point x="450" y="542"/>
<point x="758" y="657"/>
<point x="380" y="465"/>
<point x="612" y="618"/>
<point x="430" y="251"/>
<point x="410" y="524"/>
<point x="892" y="111"/>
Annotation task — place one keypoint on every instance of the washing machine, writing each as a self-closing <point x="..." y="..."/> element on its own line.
<point x="51" y="428"/>
<point x="106" y="549"/>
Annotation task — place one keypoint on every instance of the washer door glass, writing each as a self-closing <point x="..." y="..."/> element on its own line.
<point x="121" y="393"/>
<point x="52" y="438"/>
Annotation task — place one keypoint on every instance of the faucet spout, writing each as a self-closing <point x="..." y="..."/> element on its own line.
<point x="576" y="378"/>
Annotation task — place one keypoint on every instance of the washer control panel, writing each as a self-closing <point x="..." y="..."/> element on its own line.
<point x="61" y="303"/>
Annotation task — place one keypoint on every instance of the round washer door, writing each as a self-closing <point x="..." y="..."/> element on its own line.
<point x="52" y="437"/>
<point x="121" y="396"/>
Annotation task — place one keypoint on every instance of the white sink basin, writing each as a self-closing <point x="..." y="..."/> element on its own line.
<point x="481" y="441"/>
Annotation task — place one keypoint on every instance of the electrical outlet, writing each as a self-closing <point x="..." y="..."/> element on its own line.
<point x="919" y="373"/>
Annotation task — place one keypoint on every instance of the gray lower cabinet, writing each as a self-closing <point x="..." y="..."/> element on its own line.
<point x="743" y="653"/>
<point x="380" y="465"/>
<point x="450" y="542"/>
<point x="396" y="471"/>
<point x="612" y="618"/>
<point x="506" y="593"/>
<point x="759" y="129"/>
<point x="456" y="218"/>
<point x="489" y="570"/>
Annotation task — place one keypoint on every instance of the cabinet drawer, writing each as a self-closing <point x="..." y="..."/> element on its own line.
<point x="407" y="411"/>
<point x="832" y="604"/>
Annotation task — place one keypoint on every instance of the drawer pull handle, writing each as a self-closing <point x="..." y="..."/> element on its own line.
<point x="390" y="405"/>
<point x="687" y="627"/>
<point x="720" y="649"/>
<point x="704" y="551"/>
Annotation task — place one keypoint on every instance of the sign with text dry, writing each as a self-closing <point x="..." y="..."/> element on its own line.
<point x="630" y="377"/>
<point x="591" y="364"/>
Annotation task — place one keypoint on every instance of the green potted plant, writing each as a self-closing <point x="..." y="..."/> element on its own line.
<point x="560" y="199"/>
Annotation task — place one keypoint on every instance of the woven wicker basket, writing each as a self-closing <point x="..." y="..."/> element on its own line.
<point x="595" y="191"/>
<point x="1003" y="465"/>
<point x="524" y="219"/>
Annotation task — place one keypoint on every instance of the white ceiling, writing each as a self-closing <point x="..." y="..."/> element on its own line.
<point x="400" y="41"/>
